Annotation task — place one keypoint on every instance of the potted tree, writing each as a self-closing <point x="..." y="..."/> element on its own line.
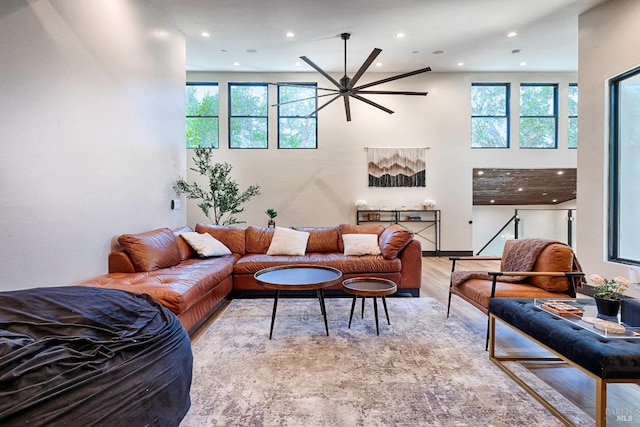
<point x="271" y="213"/>
<point x="222" y="200"/>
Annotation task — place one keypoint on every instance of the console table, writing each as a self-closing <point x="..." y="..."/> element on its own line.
<point x="424" y="223"/>
<point x="606" y="359"/>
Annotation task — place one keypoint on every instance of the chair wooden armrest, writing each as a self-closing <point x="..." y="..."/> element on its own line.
<point x="475" y="258"/>
<point x="571" y="275"/>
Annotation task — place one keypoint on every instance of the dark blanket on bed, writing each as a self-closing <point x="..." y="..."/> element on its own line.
<point x="79" y="355"/>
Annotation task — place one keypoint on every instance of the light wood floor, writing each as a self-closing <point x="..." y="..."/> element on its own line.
<point x="570" y="382"/>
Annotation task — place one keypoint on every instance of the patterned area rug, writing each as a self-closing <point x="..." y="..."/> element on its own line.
<point x="423" y="370"/>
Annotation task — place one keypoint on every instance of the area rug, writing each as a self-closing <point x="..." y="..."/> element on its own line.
<point x="422" y="370"/>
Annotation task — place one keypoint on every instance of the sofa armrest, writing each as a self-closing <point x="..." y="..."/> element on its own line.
<point x="119" y="262"/>
<point x="411" y="258"/>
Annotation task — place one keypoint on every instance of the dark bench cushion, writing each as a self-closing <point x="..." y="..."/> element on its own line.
<point x="607" y="358"/>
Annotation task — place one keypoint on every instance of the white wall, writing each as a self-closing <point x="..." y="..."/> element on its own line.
<point x="608" y="46"/>
<point x="319" y="187"/>
<point x="91" y="133"/>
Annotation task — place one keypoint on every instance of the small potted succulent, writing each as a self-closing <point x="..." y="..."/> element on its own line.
<point x="271" y="213"/>
<point x="608" y="293"/>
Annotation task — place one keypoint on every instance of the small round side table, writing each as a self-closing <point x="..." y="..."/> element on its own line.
<point x="369" y="287"/>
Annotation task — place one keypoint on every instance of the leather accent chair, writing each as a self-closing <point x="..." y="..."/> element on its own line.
<point x="554" y="272"/>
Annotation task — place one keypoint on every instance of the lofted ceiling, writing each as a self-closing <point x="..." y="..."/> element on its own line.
<point x="523" y="186"/>
<point x="437" y="33"/>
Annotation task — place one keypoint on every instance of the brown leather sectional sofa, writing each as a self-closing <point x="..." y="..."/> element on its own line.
<point x="162" y="264"/>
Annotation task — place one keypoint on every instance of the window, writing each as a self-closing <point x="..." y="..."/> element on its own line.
<point x="296" y="128"/>
<point x="538" y="115"/>
<point x="490" y="115"/>
<point x="202" y="115"/>
<point x="624" y="169"/>
<point x="248" y="108"/>
<point x="572" y="141"/>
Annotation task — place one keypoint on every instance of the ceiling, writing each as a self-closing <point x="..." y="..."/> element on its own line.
<point x="523" y="186"/>
<point x="474" y="32"/>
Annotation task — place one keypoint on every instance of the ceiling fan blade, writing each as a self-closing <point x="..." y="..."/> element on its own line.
<point x="390" y="79"/>
<point x="303" y="99"/>
<point x="391" y="92"/>
<point x="301" y="85"/>
<point x="359" y="98"/>
<point x="347" y="108"/>
<point x="372" y="57"/>
<point x="323" y="105"/>
<point x="321" y="71"/>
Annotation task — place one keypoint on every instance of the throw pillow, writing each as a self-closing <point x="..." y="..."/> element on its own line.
<point x="361" y="244"/>
<point x="151" y="250"/>
<point x="205" y="244"/>
<point x="288" y="242"/>
<point x="393" y="239"/>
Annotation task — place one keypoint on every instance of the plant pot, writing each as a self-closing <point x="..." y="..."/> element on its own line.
<point x="271" y="224"/>
<point x="608" y="307"/>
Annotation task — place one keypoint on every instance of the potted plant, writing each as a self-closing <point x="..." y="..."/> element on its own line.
<point x="608" y="293"/>
<point x="222" y="200"/>
<point x="271" y="213"/>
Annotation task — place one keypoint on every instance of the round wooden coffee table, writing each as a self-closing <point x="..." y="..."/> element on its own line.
<point x="298" y="278"/>
<point x="369" y="287"/>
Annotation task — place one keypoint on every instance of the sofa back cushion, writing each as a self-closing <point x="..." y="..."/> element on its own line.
<point x="358" y="229"/>
<point x="322" y="239"/>
<point x="184" y="248"/>
<point x="393" y="239"/>
<point x="258" y="239"/>
<point x="229" y="235"/>
<point x="151" y="250"/>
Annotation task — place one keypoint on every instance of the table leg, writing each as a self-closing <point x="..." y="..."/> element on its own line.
<point x="375" y="310"/>
<point x="353" y="305"/>
<point x="321" y="305"/>
<point x="273" y="315"/>
<point x="384" y="303"/>
<point x="601" y="403"/>
<point x="363" y="298"/>
<point x="324" y="310"/>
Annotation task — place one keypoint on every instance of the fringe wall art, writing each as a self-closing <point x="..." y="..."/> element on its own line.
<point x="397" y="167"/>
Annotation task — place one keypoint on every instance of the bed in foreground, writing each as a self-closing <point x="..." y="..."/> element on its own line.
<point x="86" y="356"/>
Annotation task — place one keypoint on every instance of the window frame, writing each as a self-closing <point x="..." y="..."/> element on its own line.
<point x="614" y="229"/>
<point x="553" y="116"/>
<point x="313" y="116"/>
<point x="231" y="116"/>
<point x="217" y="117"/>
<point x="572" y="116"/>
<point x="506" y="117"/>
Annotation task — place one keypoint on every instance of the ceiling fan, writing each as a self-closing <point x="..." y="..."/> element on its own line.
<point x="346" y="87"/>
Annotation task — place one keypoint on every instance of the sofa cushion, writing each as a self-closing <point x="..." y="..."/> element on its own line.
<point x="287" y="241"/>
<point x="322" y="239"/>
<point x="229" y="235"/>
<point x="393" y="239"/>
<point x="151" y="250"/>
<point x="359" y="229"/>
<point x="184" y="248"/>
<point x="258" y="239"/>
<point x="361" y="244"/>
<point x="555" y="257"/>
<point x="205" y="244"/>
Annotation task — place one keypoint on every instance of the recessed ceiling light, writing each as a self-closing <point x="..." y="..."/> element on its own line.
<point x="560" y="172"/>
<point x="378" y="64"/>
<point x="460" y="64"/>
<point x="399" y="35"/>
<point x="236" y="64"/>
<point x="520" y="189"/>
<point x="290" y="34"/>
<point x="512" y="34"/>
<point x="480" y="172"/>
<point x="493" y="201"/>
<point x="522" y="64"/>
<point x="544" y="194"/>
<point x="297" y="64"/>
<point x="205" y="34"/>
<point x="554" y="200"/>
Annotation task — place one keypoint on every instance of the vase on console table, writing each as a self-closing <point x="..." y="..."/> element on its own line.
<point x="608" y="307"/>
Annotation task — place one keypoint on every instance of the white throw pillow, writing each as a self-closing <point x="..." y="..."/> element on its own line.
<point x="361" y="244"/>
<point x="205" y="244"/>
<point x="288" y="242"/>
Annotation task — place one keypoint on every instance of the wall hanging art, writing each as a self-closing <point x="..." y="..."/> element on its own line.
<point x="397" y="167"/>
